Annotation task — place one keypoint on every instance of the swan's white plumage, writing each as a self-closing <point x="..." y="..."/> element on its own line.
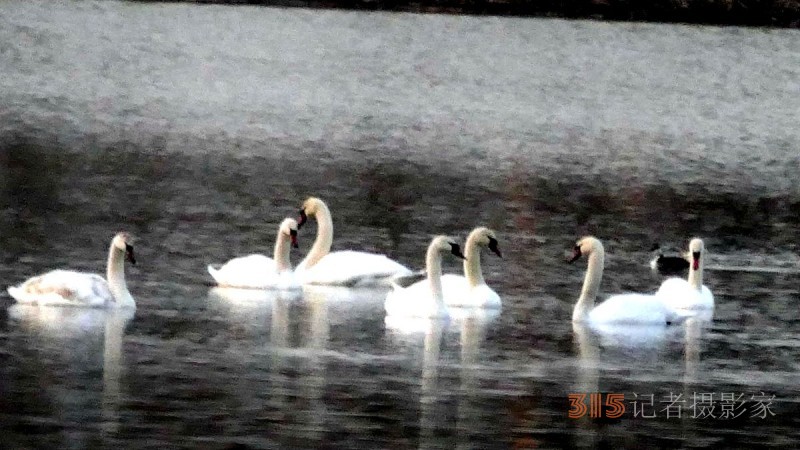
<point x="416" y="300"/>
<point x="253" y="272"/>
<point x="458" y="292"/>
<point x="471" y="290"/>
<point x="423" y="298"/>
<point x="343" y="268"/>
<point x="64" y="288"/>
<point x="619" y="309"/>
<point x="80" y="289"/>
<point x="678" y="294"/>
<point x="687" y="296"/>
<point x="629" y="309"/>
<point x="351" y="268"/>
<point x="257" y="271"/>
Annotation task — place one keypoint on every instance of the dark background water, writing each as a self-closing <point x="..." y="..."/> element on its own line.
<point x="199" y="128"/>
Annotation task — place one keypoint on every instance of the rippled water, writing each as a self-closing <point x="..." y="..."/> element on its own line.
<point x="198" y="128"/>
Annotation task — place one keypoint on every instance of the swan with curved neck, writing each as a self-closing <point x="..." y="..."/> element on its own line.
<point x="261" y="272"/>
<point x="345" y="268"/>
<point x="618" y="309"/>
<point x="69" y="288"/>
<point x="471" y="288"/>
<point x="424" y="298"/>
<point x="688" y="294"/>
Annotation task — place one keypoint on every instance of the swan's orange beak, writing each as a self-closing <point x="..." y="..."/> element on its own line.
<point x="695" y="260"/>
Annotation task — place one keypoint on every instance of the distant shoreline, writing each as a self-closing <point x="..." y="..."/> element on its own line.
<point x="753" y="13"/>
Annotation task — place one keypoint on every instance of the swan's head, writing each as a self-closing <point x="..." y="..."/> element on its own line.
<point x="696" y="249"/>
<point x="487" y="238"/>
<point x="124" y="242"/>
<point x="447" y="244"/>
<point x="309" y="208"/>
<point x="584" y="246"/>
<point x="289" y="228"/>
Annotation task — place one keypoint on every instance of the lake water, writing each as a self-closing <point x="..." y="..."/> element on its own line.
<point x="199" y="128"/>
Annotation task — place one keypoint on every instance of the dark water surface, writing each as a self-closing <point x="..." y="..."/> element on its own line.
<point x="199" y="128"/>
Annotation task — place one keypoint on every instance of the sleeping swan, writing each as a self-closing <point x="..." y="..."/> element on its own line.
<point x="618" y="309"/>
<point x="259" y="271"/>
<point x="345" y="268"/>
<point x="423" y="298"/>
<point x="680" y="294"/>
<point x="68" y="288"/>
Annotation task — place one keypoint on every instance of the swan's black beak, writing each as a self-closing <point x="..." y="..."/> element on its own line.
<point x="493" y="247"/>
<point x="695" y="260"/>
<point x="129" y="254"/>
<point x="293" y="235"/>
<point x="303" y="219"/>
<point x="576" y="253"/>
<point x="456" y="250"/>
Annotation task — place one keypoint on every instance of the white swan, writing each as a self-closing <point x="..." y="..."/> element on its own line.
<point x="618" y="309"/>
<point x="471" y="289"/>
<point x="680" y="294"/>
<point x="423" y="298"/>
<point x="259" y="271"/>
<point x="346" y="268"/>
<point x="68" y="288"/>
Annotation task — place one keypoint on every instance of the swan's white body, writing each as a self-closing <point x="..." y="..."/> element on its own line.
<point x="343" y="268"/>
<point x="423" y="298"/>
<point x="685" y="296"/>
<point x="471" y="289"/>
<point x="618" y="309"/>
<point x="70" y="288"/>
<point x="259" y="271"/>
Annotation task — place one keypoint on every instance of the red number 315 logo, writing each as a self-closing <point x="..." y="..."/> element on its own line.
<point x="614" y="403"/>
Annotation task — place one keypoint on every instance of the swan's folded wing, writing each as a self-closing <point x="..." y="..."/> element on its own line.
<point x="246" y="271"/>
<point x="350" y="268"/>
<point x="630" y="309"/>
<point x="63" y="287"/>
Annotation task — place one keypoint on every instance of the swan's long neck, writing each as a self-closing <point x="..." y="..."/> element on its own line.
<point x="433" y="265"/>
<point x="115" y="275"/>
<point x="283" y="245"/>
<point x="591" y="284"/>
<point x="696" y="276"/>
<point x="322" y="244"/>
<point x="472" y="265"/>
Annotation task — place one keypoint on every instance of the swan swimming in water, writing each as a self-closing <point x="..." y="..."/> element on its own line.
<point x="259" y="271"/>
<point x="345" y="268"/>
<point x="423" y="298"/>
<point x="618" y="309"/>
<point x="680" y="294"/>
<point x="470" y="289"/>
<point x="70" y="288"/>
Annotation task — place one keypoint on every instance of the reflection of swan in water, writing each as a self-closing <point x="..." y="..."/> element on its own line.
<point x="588" y="378"/>
<point x="473" y="333"/>
<point x="429" y="394"/>
<point x="472" y="324"/>
<point x="248" y="309"/>
<point x="72" y="332"/>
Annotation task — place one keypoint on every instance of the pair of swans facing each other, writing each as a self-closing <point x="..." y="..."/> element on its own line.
<point x="80" y="289"/>
<point x="673" y="302"/>
<point x="320" y="266"/>
<point x="430" y="297"/>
